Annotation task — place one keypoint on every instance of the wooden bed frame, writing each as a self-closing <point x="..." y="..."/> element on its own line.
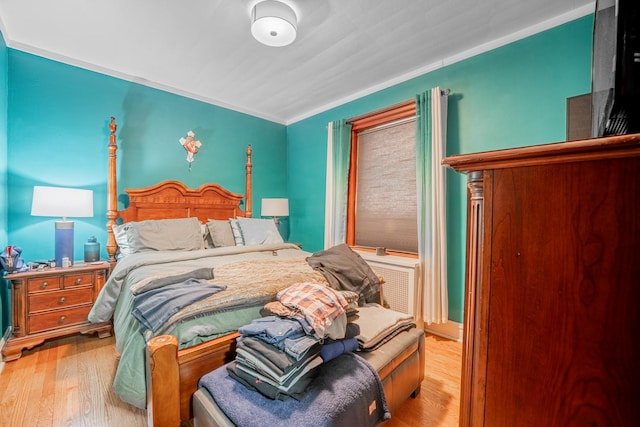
<point x="172" y="374"/>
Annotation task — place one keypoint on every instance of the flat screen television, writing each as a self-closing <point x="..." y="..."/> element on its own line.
<point x="615" y="94"/>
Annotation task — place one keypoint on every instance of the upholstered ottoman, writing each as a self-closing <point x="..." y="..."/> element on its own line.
<point x="399" y="363"/>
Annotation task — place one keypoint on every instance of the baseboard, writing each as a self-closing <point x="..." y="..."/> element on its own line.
<point x="3" y="341"/>
<point x="451" y="330"/>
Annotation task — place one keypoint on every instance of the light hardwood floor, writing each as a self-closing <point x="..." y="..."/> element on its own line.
<point x="67" y="382"/>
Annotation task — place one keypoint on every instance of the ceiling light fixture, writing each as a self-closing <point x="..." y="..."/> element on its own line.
<point x="273" y="23"/>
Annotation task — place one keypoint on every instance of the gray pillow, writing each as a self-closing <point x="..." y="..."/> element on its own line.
<point x="257" y="231"/>
<point x="181" y="234"/>
<point x="220" y="233"/>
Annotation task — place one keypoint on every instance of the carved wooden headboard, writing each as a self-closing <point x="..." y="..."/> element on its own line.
<point x="171" y="199"/>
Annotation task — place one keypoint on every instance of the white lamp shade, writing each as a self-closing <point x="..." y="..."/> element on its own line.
<point x="273" y="23"/>
<point x="62" y="202"/>
<point x="275" y="207"/>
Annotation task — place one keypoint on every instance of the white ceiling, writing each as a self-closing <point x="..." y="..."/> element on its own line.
<point x="203" y="49"/>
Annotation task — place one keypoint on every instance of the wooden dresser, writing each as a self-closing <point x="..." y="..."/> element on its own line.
<point x="552" y="300"/>
<point x="52" y="303"/>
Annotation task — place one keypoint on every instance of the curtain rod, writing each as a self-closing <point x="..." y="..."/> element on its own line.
<point x="381" y="110"/>
<point x="443" y="92"/>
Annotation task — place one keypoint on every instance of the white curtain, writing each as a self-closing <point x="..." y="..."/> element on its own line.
<point x="338" y="152"/>
<point x="431" y="137"/>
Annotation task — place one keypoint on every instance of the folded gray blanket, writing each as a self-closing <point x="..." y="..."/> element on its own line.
<point x="377" y="324"/>
<point x="346" y="391"/>
<point x="205" y="273"/>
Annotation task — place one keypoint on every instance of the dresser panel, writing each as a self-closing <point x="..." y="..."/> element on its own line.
<point x="42" y="284"/>
<point x="57" y="319"/>
<point x="71" y="280"/>
<point x="60" y="299"/>
<point x="563" y="294"/>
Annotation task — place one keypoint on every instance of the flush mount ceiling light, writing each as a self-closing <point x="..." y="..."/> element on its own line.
<point x="273" y="23"/>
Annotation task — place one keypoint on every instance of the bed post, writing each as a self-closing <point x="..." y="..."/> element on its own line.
<point x="248" y="195"/>
<point x="163" y="382"/>
<point x="112" y="195"/>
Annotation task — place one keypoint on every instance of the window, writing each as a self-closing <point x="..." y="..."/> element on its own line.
<point x="382" y="206"/>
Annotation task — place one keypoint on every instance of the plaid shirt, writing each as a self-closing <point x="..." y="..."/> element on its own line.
<point x="319" y="304"/>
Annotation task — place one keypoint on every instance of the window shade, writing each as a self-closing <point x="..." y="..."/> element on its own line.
<point x="386" y="209"/>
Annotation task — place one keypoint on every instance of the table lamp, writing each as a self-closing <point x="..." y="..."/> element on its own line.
<point x="62" y="202"/>
<point x="275" y="208"/>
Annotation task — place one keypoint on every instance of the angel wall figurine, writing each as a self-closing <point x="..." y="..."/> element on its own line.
<point x="191" y="145"/>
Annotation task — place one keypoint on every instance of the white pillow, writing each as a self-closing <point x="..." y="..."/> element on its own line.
<point x="257" y="231"/>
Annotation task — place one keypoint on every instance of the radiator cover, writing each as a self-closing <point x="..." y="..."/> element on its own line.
<point x="401" y="288"/>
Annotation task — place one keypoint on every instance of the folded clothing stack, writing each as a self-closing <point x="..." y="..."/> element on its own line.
<point x="276" y="355"/>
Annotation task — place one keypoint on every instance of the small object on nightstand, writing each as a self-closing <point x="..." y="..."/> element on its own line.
<point x="10" y="260"/>
<point x="91" y="250"/>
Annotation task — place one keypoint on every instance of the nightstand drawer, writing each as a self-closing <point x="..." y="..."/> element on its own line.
<point x="42" y="284"/>
<point x="77" y="279"/>
<point x="58" y="319"/>
<point x="60" y="299"/>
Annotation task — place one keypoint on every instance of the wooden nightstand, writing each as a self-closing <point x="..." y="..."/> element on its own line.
<point x="52" y="303"/>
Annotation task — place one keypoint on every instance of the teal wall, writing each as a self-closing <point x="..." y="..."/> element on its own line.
<point x="4" y="85"/>
<point x="58" y="135"/>
<point x="508" y="97"/>
<point x="54" y="129"/>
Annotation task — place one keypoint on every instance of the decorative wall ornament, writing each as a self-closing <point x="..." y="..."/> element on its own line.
<point x="191" y="145"/>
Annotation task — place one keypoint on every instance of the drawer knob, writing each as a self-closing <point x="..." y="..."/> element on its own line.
<point x="62" y="319"/>
<point x="44" y="285"/>
<point x="61" y="300"/>
<point x="78" y="281"/>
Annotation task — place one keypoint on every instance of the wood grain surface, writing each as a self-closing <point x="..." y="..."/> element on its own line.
<point x="67" y="382"/>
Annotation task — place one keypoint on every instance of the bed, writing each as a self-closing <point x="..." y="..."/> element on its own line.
<point x="160" y="365"/>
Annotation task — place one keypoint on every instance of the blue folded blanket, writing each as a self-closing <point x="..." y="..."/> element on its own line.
<point x="346" y="391"/>
<point x="153" y="308"/>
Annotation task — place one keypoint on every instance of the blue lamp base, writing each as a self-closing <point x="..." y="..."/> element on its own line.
<point x="64" y="241"/>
